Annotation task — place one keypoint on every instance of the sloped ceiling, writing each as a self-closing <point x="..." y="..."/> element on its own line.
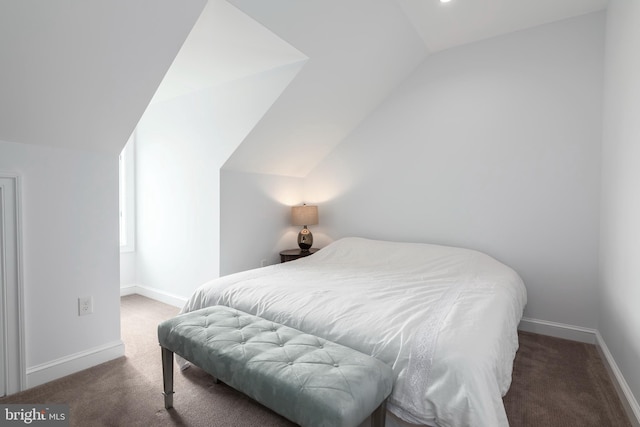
<point x="445" y="25"/>
<point x="359" y="51"/>
<point x="80" y="73"/>
<point x="224" y="45"/>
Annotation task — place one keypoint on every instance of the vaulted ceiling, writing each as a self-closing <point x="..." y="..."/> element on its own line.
<point x="359" y="51"/>
<point x="81" y="73"/>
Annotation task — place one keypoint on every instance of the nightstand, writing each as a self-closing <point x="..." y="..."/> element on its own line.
<point x="291" y="254"/>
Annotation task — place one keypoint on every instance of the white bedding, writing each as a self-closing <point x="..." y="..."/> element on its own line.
<point x="444" y="318"/>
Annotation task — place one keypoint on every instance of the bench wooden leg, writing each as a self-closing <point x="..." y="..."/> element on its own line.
<point x="167" y="377"/>
<point x="379" y="416"/>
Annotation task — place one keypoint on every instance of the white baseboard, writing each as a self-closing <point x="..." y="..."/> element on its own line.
<point x="156" y="294"/>
<point x="558" y="330"/>
<point x="73" y="363"/>
<point x="128" y="290"/>
<point x="589" y="336"/>
<point x="629" y="401"/>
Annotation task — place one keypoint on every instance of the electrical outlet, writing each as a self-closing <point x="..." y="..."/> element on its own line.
<point x="85" y="306"/>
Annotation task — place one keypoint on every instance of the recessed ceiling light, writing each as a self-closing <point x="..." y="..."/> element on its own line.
<point x="445" y="1"/>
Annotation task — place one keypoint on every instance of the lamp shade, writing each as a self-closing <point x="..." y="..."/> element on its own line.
<point x="304" y="215"/>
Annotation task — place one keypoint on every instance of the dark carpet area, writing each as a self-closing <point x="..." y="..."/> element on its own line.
<point x="561" y="383"/>
<point x="555" y="383"/>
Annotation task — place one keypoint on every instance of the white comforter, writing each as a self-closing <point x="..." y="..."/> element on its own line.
<point x="444" y="318"/>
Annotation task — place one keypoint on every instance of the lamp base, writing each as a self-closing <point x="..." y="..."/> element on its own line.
<point x="305" y="239"/>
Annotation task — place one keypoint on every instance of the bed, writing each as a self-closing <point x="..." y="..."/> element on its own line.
<point x="444" y="318"/>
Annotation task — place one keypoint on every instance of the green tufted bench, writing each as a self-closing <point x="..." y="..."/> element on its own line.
<point x="307" y="379"/>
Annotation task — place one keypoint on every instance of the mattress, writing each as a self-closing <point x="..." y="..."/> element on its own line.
<point x="445" y="319"/>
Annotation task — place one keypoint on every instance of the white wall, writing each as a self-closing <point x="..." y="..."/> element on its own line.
<point x="255" y="219"/>
<point x="128" y="276"/>
<point x="620" y="226"/>
<point x="70" y="250"/>
<point x="493" y="146"/>
<point x="181" y="145"/>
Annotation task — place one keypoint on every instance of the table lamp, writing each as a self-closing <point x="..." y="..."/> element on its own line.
<point x="304" y="215"/>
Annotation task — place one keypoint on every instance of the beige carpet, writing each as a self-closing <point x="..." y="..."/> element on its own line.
<point x="555" y="383"/>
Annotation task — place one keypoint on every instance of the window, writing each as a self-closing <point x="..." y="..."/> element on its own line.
<point x="127" y="197"/>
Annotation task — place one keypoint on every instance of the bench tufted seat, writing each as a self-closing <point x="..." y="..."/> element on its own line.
<point x="307" y="379"/>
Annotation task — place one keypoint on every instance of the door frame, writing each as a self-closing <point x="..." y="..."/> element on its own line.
<point x="11" y="284"/>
